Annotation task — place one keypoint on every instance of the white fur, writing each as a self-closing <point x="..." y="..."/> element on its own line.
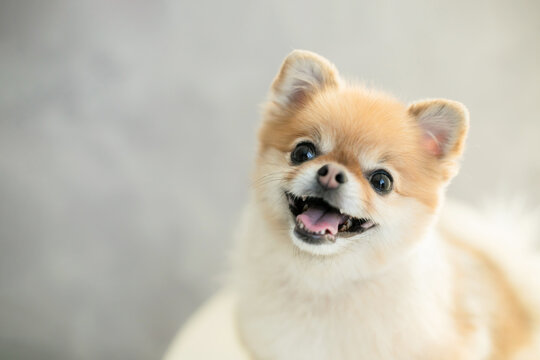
<point x="296" y="306"/>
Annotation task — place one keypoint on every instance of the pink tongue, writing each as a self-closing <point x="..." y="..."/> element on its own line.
<point x="316" y="220"/>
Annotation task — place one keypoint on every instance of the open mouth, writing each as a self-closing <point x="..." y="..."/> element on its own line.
<point x="317" y="221"/>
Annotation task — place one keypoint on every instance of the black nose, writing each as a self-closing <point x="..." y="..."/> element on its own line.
<point x="330" y="176"/>
<point x="323" y="171"/>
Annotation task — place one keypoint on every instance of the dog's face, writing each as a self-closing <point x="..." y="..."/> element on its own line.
<point x="343" y="168"/>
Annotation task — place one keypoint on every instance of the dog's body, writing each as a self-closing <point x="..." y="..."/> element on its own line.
<point x="340" y="255"/>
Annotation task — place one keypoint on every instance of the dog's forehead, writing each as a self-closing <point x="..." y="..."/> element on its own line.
<point x="361" y="124"/>
<point x="353" y="125"/>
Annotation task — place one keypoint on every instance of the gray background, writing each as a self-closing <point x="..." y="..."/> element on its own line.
<point x="127" y="135"/>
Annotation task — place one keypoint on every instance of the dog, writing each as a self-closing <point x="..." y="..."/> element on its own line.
<point x="345" y="250"/>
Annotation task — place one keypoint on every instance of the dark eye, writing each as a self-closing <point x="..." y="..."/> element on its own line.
<point x="381" y="181"/>
<point x="303" y="152"/>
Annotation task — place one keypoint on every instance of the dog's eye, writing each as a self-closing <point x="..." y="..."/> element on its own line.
<point x="303" y="152"/>
<point x="381" y="181"/>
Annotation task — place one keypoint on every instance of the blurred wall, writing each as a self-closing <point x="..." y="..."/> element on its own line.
<point x="127" y="131"/>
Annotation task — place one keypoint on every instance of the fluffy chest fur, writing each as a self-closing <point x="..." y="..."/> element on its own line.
<point x="438" y="302"/>
<point x="295" y="307"/>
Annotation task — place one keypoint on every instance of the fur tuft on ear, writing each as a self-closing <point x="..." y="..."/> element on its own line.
<point x="444" y="123"/>
<point x="302" y="74"/>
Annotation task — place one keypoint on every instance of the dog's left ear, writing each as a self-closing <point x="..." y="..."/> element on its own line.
<point x="444" y="124"/>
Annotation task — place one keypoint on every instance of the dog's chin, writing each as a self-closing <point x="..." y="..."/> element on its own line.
<point x="322" y="248"/>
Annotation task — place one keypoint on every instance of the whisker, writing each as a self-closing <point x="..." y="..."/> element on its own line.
<point x="266" y="182"/>
<point x="268" y="178"/>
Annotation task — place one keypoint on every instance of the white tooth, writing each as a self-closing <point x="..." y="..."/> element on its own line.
<point x="304" y="197"/>
<point x="321" y="232"/>
<point x="347" y="224"/>
<point x="305" y="207"/>
<point x="367" y="224"/>
<point x="340" y="211"/>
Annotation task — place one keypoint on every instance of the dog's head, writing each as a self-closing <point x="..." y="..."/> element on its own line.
<point x="342" y="167"/>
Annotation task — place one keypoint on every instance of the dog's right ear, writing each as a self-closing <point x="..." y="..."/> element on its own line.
<point x="302" y="74"/>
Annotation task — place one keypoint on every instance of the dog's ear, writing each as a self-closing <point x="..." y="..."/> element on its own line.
<point x="302" y="74"/>
<point x="444" y="125"/>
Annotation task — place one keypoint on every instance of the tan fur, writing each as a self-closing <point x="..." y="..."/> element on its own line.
<point x="511" y="323"/>
<point x="357" y="116"/>
<point x="402" y="290"/>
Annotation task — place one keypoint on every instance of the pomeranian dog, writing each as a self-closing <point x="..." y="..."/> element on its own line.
<point x="341" y="253"/>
